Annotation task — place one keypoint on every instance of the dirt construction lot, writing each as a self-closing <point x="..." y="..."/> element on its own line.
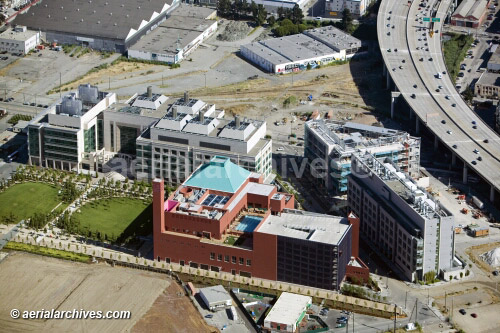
<point x="31" y="282"/>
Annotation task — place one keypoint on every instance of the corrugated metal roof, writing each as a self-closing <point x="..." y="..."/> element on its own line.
<point x="473" y="8"/>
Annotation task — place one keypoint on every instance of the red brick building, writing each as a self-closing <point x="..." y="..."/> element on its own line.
<point x="223" y="218"/>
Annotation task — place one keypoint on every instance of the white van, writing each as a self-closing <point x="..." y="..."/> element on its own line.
<point x="439" y="76"/>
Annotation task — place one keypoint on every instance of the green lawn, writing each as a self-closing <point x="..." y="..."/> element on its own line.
<point x="23" y="200"/>
<point x="118" y="218"/>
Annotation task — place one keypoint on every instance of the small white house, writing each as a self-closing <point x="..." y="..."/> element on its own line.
<point x="216" y="297"/>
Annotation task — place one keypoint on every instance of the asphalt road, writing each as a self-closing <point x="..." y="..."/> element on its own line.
<point x="415" y="75"/>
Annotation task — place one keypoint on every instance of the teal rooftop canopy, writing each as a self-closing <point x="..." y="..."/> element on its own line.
<point x="219" y="174"/>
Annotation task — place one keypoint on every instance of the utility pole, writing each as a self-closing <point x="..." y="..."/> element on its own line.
<point x="416" y="310"/>
<point x="445" y="301"/>
<point x="406" y="297"/>
<point x="353" y="322"/>
<point x="395" y="317"/>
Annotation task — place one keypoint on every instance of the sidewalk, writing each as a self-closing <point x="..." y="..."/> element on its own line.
<point x="127" y="259"/>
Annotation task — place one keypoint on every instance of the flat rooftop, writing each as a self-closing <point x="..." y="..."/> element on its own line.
<point x="334" y="38"/>
<point x="348" y="136"/>
<point x="194" y="11"/>
<point x="313" y="43"/>
<point x="17" y="35"/>
<point x="173" y="34"/>
<point x="110" y="19"/>
<point x="404" y="186"/>
<point x="300" y="224"/>
<point x="288" y="308"/>
<point x="215" y="294"/>
<point x="298" y="47"/>
<point x="134" y="110"/>
<point x="489" y="79"/>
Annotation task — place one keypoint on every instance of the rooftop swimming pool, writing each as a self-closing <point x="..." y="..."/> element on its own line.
<point x="249" y="223"/>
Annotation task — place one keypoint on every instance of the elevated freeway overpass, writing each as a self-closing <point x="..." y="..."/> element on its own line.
<point x="414" y="63"/>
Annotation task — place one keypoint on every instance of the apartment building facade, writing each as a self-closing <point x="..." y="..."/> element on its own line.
<point x="334" y="8"/>
<point x="403" y="222"/>
<point x="329" y="146"/>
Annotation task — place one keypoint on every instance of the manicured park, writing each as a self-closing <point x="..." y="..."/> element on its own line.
<point x="23" y="200"/>
<point x="117" y="218"/>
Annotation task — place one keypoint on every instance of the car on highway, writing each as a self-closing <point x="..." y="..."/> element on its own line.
<point x="443" y="121"/>
<point x="495" y="273"/>
<point x="449" y="132"/>
<point x="486" y="140"/>
<point x="454" y="105"/>
<point x="473" y="315"/>
<point x="413" y="96"/>
<point x="462" y="311"/>
<point x="475" y="151"/>
<point x="439" y="76"/>
<point x="455" y="146"/>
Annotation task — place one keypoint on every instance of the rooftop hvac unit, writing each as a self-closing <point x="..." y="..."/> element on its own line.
<point x="88" y="93"/>
<point x="70" y="105"/>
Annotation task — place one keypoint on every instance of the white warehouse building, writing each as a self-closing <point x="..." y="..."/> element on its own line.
<point x="310" y="49"/>
<point x="334" y="8"/>
<point x="19" y="40"/>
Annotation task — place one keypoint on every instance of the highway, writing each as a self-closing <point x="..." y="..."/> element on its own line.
<point x="415" y="63"/>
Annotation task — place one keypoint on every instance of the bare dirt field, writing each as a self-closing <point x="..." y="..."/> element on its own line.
<point x="31" y="282"/>
<point x="475" y="251"/>
<point x="166" y="311"/>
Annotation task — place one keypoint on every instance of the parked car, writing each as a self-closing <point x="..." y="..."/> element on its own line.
<point x="473" y="315"/>
<point x="462" y="311"/>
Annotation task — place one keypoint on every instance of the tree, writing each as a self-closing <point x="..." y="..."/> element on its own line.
<point x="259" y="13"/>
<point x="271" y="20"/>
<point x="468" y="95"/>
<point x="296" y="14"/>
<point x="281" y="13"/>
<point x="224" y="8"/>
<point x="346" y="23"/>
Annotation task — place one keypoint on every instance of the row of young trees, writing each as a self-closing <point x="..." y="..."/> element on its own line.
<point x="239" y="9"/>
